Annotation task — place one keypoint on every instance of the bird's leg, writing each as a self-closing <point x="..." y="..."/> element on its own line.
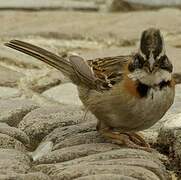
<point x="138" y="138"/>
<point x="131" y="140"/>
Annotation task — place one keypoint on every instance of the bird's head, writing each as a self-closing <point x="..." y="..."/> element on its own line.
<point x="150" y="65"/>
<point x="151" y="55"/>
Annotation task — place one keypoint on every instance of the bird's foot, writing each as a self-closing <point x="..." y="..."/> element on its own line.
<point x="131" y="139"/>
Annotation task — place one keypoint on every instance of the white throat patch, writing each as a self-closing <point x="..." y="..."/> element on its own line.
<point x="152" y="78"/>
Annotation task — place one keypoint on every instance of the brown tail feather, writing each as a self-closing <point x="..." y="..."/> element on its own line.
<point x="76" y="69"/>
<point x="43" y="55"/>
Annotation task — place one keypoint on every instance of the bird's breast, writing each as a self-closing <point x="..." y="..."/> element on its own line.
<point x="124" y="108"/>
<point x="130" y="111"/>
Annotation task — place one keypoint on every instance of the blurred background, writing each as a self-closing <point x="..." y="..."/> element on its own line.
<point x="91" y="28"/>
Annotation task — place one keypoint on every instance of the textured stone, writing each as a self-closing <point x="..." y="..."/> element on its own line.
<point x="18" y="60"/>
<point x="80" y="138"/>
<point x="65" y="93"/>
<point x="13" y="111"/>
<point x="69" y="153"/>
<point x="28" y="176"/>
<point x="48" y="4"/>
<point x="9" y="77"/>
<point x="8" y="142"/>
<point x="94" y="5"/>
<point x="106" y="177"/>
<point x="169" y="139"/>
<point x="13" y="161"/>
<point x="84" y="170"/>
<point x="128" y="5"/>
<point x="40" y="122"/>
<point x="7" y="93"/>
<point x="74" y="134"/>
<point x="156" y="2"/>
<point x="40" y="81"/>
<point x="175" y="108"/>
<point x="80" y="152"/>
<point x="14" y="132"/>
<point x="127" y="162"/>
<point x="42" y="150"/>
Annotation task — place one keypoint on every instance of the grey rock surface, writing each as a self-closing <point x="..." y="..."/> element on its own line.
<point x="78" y="151"/>
<point x="48" y="4"/>
<point x="14" y="59"/>
<point x="13" y="111"/>
<point x="69" y="153"/>
<point x="94" y="5"/>
<point x="9" y="77"/>
<point x="156" y="2"/>
<point x="8" y="93"/>
<point x="170" y="139"/>
<point x="130" y="5"/>
<point x="27" y="176"/>
<point x="126" y="162"/>
<point x="8" y="142"/>
<point x="44" y="148"/>
<point x="75" y="134"/>
<point x="177" y="102"/>
<point x="13" y="161"/>
<point x="84" y="170"/>
<point x="40" y="122"/>
<point x="14" y="132"/>
<point x="65" y="93"/>
<point x="106" y="177"/>
<point x="43" y="81"/>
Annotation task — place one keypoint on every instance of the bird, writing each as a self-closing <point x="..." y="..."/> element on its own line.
<point x="126" y="93"/>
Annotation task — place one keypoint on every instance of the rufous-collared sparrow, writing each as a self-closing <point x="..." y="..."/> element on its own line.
<point x="127" y="94"/>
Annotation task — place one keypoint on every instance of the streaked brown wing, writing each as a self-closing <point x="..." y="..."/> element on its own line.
<point x="110" y="69"/>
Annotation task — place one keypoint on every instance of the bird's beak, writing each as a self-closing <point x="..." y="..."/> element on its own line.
<point x="151" y="61"/>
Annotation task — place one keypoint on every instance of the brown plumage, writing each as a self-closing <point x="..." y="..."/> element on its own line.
<point x="126" y="93"/>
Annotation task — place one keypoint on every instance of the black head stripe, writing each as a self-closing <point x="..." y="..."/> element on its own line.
<point x="137" y="63"/>
<point x="151" y="40"/>
<point x="165" y="63"/>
